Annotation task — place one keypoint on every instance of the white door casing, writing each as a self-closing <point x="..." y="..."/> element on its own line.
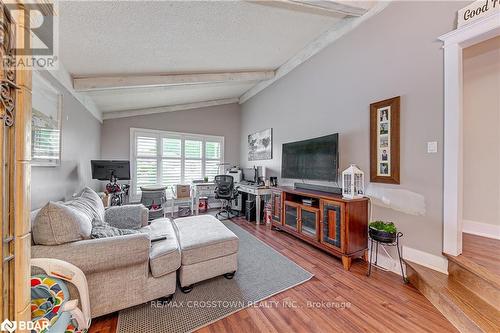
<point x="454" y="42"/>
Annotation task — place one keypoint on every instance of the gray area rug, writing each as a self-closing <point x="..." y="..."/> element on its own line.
<point x="262" y="272"/>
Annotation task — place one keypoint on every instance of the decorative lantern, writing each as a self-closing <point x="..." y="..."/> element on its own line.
<point x="353" y="182"/>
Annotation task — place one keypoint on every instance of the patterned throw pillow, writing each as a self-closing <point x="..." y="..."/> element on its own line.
<point x="101" y="229"/>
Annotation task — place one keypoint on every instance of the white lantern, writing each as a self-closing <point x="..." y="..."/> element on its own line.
<point x="353" y="182"/>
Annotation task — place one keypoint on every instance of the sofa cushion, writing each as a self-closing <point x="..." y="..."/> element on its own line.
<point x="202" y="238"/>
<point x="89" y="203"/>
<point x="57" y="224"/>
<point x="164" y="255"/>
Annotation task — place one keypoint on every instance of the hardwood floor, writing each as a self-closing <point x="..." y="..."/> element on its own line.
<point x="483" y="251"/>
<point x="333" y="300"/>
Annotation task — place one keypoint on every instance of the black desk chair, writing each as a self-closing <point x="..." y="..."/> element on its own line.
<point x="225" y="191"/>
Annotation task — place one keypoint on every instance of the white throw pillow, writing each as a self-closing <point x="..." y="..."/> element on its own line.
<point x="89" y="203"/>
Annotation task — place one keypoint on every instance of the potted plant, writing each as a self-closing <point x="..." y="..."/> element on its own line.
<point x="384" y="232"/>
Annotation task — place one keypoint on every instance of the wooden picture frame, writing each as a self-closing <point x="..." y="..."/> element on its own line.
<point x="385" y="141"/>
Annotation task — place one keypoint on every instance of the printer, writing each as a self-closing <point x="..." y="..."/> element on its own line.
<point x="236" y="173"/>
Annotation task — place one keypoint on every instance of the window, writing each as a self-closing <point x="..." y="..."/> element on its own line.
<point x="169" y="158"/>
<point x="45" y="123"/>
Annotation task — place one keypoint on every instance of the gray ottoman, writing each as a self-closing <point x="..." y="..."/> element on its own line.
<point x="208" y="249"/>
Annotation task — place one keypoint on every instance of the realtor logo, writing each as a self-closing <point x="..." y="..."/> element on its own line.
<point x="7" y="325"/>
<point x="40" y="19"/>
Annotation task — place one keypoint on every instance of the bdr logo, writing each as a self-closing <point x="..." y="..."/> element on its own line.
<point x="11" y="326"/>
<point x="8" y="325"/>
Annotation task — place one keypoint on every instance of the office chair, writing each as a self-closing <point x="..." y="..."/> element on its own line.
<point x="225" y="191"/>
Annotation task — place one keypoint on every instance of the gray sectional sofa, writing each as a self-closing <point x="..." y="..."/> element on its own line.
<point x="126" y="267"/>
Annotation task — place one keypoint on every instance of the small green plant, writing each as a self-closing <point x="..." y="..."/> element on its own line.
<point x="384" y="226"/>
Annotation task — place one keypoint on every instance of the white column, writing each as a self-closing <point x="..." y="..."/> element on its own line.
<point x="453" y="150"/>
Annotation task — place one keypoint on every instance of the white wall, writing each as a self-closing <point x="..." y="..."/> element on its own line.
<point x="481" y="75"/>
<point x="394" y="53"/>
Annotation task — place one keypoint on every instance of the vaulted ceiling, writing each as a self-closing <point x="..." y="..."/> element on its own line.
<point x="138" y="55"/>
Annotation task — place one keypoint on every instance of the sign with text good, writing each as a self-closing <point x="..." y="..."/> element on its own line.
<point x="477" y="10"/>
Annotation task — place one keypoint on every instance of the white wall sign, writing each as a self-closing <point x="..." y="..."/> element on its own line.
<point x="477" y="10"/>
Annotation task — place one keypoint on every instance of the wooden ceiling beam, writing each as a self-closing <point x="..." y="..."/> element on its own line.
<point x="322" y="7"/>
<point x="170" y="108"/>
<point x="82" y="84"/>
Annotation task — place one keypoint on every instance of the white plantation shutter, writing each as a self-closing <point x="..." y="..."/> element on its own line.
<point x="212" y="159"/>
<point x="146" y="162"/>
<point x="147" y="172"/>
<point x="169" y="158"/>
<point x="193" y="151"/>
<point x="46" y="143"/>
<point x="171" y="161"/>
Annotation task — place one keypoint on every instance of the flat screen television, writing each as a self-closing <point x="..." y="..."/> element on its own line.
<point x="313" y="159"/>
<point x="104" y="169"/>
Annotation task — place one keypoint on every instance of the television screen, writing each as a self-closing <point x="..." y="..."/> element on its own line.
<point x="103" y="170"/>
<point x="314" y="159"/>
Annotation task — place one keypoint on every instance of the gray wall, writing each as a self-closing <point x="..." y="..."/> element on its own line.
<point x="394" y="53"/>
<point x="223" y="120"/>
<point x="81" y="142"/>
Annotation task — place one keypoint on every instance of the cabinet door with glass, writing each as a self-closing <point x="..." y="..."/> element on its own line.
<point x="309" y="222"/>
<point x="291" y="215"/>
<point x="332" y="224"/>
<point x="276" y="206"/>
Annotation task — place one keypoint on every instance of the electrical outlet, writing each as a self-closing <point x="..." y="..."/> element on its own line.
<point x="432" y="147"/>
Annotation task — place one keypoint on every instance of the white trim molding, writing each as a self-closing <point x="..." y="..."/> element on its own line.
<point x="481" y="229"/>
<point x="391" y="262"/>
<point x="454" y="42"/>
<point x="432" y="261"/>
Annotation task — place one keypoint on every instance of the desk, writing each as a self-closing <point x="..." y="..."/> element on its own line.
<point x="258" y="192"/>
<point x="201" y="190"/>
<point x="174" y="200"/>
<point x="208" y="190"/>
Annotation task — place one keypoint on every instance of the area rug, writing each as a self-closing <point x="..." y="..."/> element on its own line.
<point x="262" y="272"/>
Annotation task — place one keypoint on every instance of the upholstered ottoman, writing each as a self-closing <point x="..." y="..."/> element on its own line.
<point x="208" y="249"/>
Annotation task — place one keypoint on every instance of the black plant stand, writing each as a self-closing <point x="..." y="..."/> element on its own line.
<point x="396" y="244"/>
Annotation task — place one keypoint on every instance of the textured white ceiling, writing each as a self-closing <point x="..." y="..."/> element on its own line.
<point x="129" y="99"/>
<point x="118" y="37"/>
<point x="139" y="37"/>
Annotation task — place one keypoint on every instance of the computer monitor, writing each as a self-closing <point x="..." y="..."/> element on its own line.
<point x="106" y="169"/>
<point x="250" y="175"/>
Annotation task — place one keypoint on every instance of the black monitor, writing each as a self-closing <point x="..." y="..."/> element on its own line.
<point x="250" y="174"/>
<point x="106" y="169"/>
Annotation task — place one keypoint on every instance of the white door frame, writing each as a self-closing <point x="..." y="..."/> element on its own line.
<point x="454" y="42"/>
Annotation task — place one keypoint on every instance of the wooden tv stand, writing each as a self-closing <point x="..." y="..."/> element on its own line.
<point x="336" y="225"/>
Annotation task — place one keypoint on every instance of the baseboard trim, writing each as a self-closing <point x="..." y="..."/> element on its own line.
<point x="432" y="261"/>
<point x="437" y="263"/>
<point x="481" y="229"/>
